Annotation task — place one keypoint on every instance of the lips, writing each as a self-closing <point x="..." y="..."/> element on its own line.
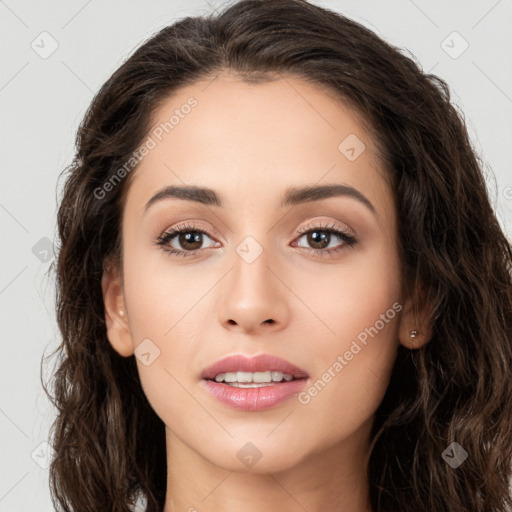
<point x="259" y="395"/>
<point x="260" y="363"/>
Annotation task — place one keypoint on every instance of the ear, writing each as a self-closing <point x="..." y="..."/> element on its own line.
<point x="116" y="317"/>
<point x="415" y="322"/>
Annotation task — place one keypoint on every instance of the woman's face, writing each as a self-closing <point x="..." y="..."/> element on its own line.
<point x="257" y="282"/>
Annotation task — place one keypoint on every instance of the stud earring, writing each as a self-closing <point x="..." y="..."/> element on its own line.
<point x="121" y="312"/>
<point x="413" y="334"/>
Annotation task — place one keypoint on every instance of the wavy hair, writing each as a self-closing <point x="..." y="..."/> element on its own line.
<point x="110" y="444"/>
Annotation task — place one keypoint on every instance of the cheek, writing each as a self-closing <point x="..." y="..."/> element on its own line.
<point x="350" y="376"/>
<point x="345" y="299"/>
<point x="158" y="293"/>
<point x="359" y="308"/>
<point x="162" y="308"/>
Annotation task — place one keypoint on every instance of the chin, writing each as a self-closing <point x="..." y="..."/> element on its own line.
<point x="250" y="459"/>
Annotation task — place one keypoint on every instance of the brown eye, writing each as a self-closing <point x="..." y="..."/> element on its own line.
<point x="183" y="241"/>
<point x="320" y="237"/>
<point x="190" y="240"/>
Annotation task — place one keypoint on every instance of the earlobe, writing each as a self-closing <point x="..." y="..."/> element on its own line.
<point x="415" y="339"/>
<point x="415" y="323"/>
<point x="118" y="331"/>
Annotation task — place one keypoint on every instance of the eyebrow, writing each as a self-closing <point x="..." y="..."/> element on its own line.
<point x="292" y="196"/>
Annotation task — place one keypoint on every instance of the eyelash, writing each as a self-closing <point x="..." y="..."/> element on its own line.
<point x="348" y="239"/>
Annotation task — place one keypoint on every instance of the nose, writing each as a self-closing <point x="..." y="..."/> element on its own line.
<point x="254" y="298"/>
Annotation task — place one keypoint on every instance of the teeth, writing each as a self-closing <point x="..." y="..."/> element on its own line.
<point x="251" y="384"/>
<point x="261" y="377"/>
<point x="243" y="376"/>
<point x="256" y="377"/>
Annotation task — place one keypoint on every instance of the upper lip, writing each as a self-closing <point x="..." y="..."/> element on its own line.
<point x="259" y="363"/>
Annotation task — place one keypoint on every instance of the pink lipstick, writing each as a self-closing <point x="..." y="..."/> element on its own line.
<point x="253" y="383"/>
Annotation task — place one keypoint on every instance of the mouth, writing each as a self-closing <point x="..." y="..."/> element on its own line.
<point x="253" y="384"/>
<point x="263" y="368"/>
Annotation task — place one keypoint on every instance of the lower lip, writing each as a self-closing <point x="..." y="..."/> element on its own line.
<point x="254" y="399"/>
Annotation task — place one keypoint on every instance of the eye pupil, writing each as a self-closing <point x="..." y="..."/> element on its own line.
<point x="319" y="237"/>
<point x="188" y="238"/>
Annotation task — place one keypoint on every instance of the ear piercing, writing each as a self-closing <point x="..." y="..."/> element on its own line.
<point x="413" y="334"/>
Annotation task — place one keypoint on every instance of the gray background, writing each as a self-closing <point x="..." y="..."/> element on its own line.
<point x="42" y="100"/>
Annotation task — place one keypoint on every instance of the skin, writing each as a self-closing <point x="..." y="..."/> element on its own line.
<point x="250" y="142"/>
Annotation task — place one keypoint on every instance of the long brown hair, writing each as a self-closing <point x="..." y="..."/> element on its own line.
<point x="110" y="444"/>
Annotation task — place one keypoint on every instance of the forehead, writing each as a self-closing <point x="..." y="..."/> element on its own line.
<point x="251" y="139"/>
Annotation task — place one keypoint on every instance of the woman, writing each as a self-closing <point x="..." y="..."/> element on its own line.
<point x="281" y="282"/>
